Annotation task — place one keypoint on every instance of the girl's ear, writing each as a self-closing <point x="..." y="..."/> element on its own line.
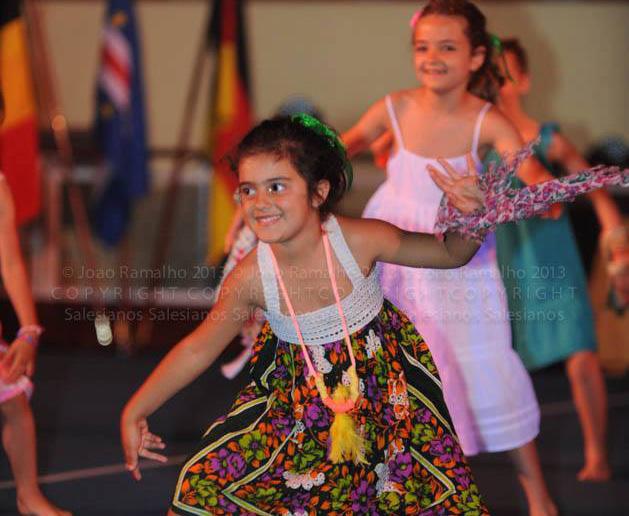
<point x="478" y="58"/>
<point x="321" y="193"/>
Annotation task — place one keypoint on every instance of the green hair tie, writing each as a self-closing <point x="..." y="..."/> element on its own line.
<point x="496" y="43"/>
<point x="332" y="138"/>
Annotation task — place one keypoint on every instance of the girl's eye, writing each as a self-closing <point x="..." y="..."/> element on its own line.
<point x="276" y="188"/>
<point x="420" y="49"/>
<point x="246" y="192"/>
<point x="449" y="48"/>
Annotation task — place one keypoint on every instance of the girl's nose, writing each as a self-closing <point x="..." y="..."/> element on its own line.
<point x="432" y="54"/>
<point x="262" y="199"/>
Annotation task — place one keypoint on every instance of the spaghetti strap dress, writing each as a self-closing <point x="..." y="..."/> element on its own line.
<point x="461" y="313"/>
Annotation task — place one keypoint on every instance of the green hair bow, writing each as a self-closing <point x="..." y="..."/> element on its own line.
<point x="496" y="43"/>
<point x="332" y="138"/>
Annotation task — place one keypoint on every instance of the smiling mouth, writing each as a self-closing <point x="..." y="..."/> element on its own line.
<point x="433" y="71"/>
<point x="266" y="220"/>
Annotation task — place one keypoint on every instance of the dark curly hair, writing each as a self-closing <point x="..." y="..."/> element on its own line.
<point x="487" y="80"/>
<point x="313" y="155"/>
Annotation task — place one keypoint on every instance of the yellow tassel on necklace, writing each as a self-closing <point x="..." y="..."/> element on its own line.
<point x="345" y="442"/>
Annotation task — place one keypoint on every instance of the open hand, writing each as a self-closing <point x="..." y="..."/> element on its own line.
<point x="18" y="360"/>
<point x="138" y="441"/>
<point x="462" y="190"/>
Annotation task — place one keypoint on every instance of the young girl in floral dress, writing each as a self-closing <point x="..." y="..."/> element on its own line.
<point x="345" y="412"/>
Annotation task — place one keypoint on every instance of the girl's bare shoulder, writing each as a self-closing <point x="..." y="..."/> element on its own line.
<point x="365" y="237"/>
<point x="497" y="126"/>
<point x="402" y="99"/>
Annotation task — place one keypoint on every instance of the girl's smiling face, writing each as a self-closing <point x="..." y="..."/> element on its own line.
<point x="443" y="56"/>
<point x="275" y="198"/>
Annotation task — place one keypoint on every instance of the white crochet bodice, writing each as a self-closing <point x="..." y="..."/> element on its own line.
<point x="323" y="325"/>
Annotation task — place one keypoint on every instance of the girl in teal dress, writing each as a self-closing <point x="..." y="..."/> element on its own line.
<point x="546" y="285"/>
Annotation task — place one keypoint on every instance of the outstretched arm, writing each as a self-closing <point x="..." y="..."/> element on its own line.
<point x="614" y="236"/>
<point x="187" y="360"/>
<point x="562" y="151"/>
<point x="21" y="355"/>
<point x="394" y="245"/>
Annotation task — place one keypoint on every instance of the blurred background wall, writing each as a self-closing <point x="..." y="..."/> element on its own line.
<point x="346" y="54"/>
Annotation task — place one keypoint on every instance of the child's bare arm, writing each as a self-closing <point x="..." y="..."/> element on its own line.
<point x="20" y="358"/>
<point x="367" y="130"/>
<point x="382" y="148"/>
<point x="196" y="352"/>
<point x="561" y="150"/>
<point x="12" y="264"/>
<point x="503" y="136"/>
<point x="506" y="139"/>
<point x="390" y="244"/>
<point x="188" y="359"/>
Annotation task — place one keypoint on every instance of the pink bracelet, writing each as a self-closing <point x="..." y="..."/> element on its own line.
<point x="30" y="334"/>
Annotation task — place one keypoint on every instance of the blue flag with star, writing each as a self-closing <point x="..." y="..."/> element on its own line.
<point x="120" y="124"/>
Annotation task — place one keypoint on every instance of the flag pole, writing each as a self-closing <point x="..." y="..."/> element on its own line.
<point x="181" y="156"/>
<point x="45" y="85"/>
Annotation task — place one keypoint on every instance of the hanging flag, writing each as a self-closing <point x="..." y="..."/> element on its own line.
<point x="19" y="143"/>
<point x="120" y="125"/>
<point x="230" y="114"/>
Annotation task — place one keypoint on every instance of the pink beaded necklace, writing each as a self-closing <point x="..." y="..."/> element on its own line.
<point x="338" y="406"/>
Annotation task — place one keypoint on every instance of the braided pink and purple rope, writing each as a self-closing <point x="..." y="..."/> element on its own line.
<point x="504" y="203"/>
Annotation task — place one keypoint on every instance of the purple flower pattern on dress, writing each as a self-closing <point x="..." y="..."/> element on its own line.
<point x="228" y="464"/>
<point x="446" y="449"/>
<point x="361" y="496"/>
<point x="400" y="467"/>
<point x="278" y="451"/>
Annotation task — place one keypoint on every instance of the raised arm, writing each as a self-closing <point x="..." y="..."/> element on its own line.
<point x="367" y="130"/>
<point x="189" y="358"/>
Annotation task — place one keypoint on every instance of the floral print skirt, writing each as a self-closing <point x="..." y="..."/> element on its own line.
<point x="268" y="456"/>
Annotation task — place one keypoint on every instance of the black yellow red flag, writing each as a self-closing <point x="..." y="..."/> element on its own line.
<point x="19" y="143"/>
<point x="230" y="113"/>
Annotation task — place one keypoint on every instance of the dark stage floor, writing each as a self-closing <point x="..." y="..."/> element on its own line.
<point x="80" y="391"/>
